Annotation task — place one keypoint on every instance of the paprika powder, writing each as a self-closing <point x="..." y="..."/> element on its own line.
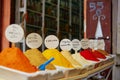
<point x="87" y="54"/>
<point x="97" y="54"/>
<point x="15" y="59"/>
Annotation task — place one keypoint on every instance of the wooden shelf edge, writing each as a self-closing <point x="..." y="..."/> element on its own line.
<point x="85" y="75"/>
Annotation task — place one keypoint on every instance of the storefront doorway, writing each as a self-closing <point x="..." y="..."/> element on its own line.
<point x="99" y="22"/>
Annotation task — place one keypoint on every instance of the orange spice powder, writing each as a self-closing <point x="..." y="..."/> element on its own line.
<point x="14" y="58"/>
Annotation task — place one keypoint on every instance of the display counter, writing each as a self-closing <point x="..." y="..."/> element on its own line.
<point x="84" y="76"/>
<point x="91" y="73"/>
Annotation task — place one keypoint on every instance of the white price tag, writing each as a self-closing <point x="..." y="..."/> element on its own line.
<point x="101" y="44"/>
<point x="66" y="44"/>
<point x="51" y="42"/>
<point x="33" y="40"/>
<point x="95" y="44"/>
<point x="91" y="43"/>
<point x="76" y="44"/>
<point x="85" y="43"/>
<point x="14" y="33"/>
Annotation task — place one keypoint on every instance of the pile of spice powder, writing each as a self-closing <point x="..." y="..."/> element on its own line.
<point x="103" y="52"/>
<point x="97" y="54"/>
<point x="59" y="59"/>
<point x="87" y="54"/>
<point x="36" y="58"/>
<point x="69" y="57"/>
<point x="15" y="59"/>
<point x="81" y="60"/>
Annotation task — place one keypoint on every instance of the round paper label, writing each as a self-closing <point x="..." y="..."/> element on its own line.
<point x="85" y="43"/>
<point x="95" y="44"/>
<point x="101" y="44"/>
<point x="51" y="41"/>
<point x="76" y="44"/>
<point x="66" y="44"/>
<point x="91" y="43"/>
<point x="33" y="40"/>
<point x="14" y="33"/>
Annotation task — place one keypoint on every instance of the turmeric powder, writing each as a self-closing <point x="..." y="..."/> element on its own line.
<point x="59" y="59"/>
<point x="14" y="58"/>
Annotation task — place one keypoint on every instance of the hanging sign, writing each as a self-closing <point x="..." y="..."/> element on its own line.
<point x="14" y="33"/>
<point x="33" y="40"/>
<point x="66" y="44"/>
<point x="51" y="41"/>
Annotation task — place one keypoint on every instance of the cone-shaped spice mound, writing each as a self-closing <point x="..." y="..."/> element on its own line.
<point x="59" y="59"/>
<point x="87" y="54"/>
<point x="36" y="58"/>
<point x="103" y="52"/>
<point x="14" y="58"/>
<point x="98" y="54"/>
<point x="69" y="57"/>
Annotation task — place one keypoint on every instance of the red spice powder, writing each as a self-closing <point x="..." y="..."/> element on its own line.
<point x="87" y="54"/>
<point x="98" y="55"/>
<point x="103" y="52"/>
<point x="14" y="58"/>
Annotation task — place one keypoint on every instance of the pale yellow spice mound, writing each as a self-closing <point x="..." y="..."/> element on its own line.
<point x="80" y="59"/>
<point x="69" y="57"/>
<point x="36" y="58"/>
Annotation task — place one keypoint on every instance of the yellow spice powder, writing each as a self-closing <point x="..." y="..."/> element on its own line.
<point x="59" y="60"/>
<point x="80" y="59"/>
<point x="69" y="57"/>
<point x="36" y="58"/>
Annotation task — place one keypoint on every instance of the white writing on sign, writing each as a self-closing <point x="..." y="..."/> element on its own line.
<point x="51" y="41"/>
<point x="98" y="8"/>
<point x="14" y="33"/>
<point x="85" y="43"/>
<point x="66" y="44"/>
<point x="33" y="40"/>
<point x="76" y="44"/>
